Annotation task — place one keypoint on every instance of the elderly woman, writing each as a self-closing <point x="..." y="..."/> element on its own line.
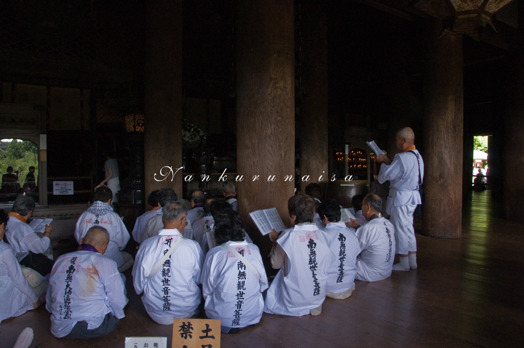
<point x="16" y="294"/>
<point x="303" y="257"/>
<point x="233" y="276"/>
<point x="31" y="250"/>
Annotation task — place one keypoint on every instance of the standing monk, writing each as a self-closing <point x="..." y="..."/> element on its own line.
<point x="405" y="174"/>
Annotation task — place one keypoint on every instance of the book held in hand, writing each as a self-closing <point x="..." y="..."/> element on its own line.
<point x="377" y="150"/>
<point x="38" y="225"/>
<point x="267" y="220"/>
<point x="346" y="215"/>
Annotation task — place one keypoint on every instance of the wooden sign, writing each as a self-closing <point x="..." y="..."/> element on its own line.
<point x="192" y="333"/>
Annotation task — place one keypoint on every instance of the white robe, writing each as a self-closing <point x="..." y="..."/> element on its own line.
<point x="403" y="174"/>
<point x="201" y="230"/>
<point x="16" y="294"/>
<point x="231" y="290"/>
<point x="344" y="244"/>
<point x="377" y="245"/>
<point x="23" y="239"/>
<point x="140" y="225"/>
<point x="114" y="182"/>
<point x="172" y="292"/>
<point x="301" y="284"/>
<point x="195" y="214"/>
<point x="118" y="234"/>
<point x="84" y="286"/>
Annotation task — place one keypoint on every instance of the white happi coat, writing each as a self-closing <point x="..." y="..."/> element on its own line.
<point x="202" y="228"/>
<point x="344" y="244"/>
<point x="23" y="239"/>
<point x="301" y="284"/>
<point x="102" y="214"/>
<point x="403" y="175"/>
<point x="140" y="225"/>
<point x="195" y="214"/>
<point x="231" y="290"/>
<point x="84" y="286"/>
<point x="172" y="292"/>
<point x="15" y="292"/>
<point x="377" y="245"/>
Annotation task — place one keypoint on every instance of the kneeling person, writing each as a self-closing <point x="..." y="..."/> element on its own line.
<point x="167" y="269"/>
<point x="86" y="294"/>
<point x="342" y="242"/>
<point x="303" y="257"/>
<point x="377" y="242"/>
<point x="233" y="276"/>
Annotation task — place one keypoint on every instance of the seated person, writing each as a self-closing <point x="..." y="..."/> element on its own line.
<point x="377" y="242"/>
<point x="10" y="182"/>
<point x="303" y="258"/>
<point x="232" y="285"/>
<point x="31" y="250"/>
<point x="30" y="179"/>
<point x="342" y="242"/>
<point x="230" y="195"/>
<point x="197" y="206"/>
<point x="155" y="223"/>
<point x="314" y="190"/>
<point x="167" y="270"/>
<point x="356" y="202"/>
<point x="16" y="294"/>
<point x="141" y="221"/>
<point x="86" y="295"/>
<point x="101" y="213"/>
<point x="479" y="183"/>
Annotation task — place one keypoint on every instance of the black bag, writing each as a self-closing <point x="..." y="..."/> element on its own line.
<point x="38" y="262"/>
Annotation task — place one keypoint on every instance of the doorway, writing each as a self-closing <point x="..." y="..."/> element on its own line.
<point x="19" y="168"/>
<point x="480" y="180"/>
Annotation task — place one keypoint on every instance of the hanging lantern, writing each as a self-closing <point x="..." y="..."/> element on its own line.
<point x="471" y="15"/>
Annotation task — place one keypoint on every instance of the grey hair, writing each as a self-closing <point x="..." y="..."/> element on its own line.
<point x="173" y="211"/>
<point x="407" y="134"/>
<point x="23" y="205"/>
<point x="374" y="201"/>
<point x="229" y="187"/>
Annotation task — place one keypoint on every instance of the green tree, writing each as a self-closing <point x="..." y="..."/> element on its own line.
<point x="480" y="142"/>
<point x="20" y="155"/>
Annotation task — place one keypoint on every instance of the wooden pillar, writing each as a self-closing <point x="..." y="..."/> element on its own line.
<point x="313" y="91"/>
<point x="163" y="95"/>
<point x="265" y="106"/>
<point x="514" y="134"/>
<point x="443" y="134"/>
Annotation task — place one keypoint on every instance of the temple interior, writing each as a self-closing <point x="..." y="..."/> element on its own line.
<point x="231" y="90"/>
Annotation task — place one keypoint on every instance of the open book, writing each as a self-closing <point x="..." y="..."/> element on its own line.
<point x="377" y="150"/>
<point x="267" y="220"/>
<point x="38" y="225"/>
<point x="346" y="215"/>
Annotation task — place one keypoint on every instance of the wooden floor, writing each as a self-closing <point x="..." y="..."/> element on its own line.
<point x="466" y="292"/>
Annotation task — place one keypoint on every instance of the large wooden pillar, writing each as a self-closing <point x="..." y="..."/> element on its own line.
<point x="514" y="134"/>
<point x="163" y="95"/>
<point x="313" y="92"/>
<point x="265" y="106"/>
<point x="443" y="134"/>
